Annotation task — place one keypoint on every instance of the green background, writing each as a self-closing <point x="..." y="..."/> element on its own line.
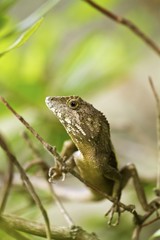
<point x="78" y="51"/>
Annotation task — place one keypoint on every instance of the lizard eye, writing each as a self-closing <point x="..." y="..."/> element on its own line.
<point x="73" y="103"/>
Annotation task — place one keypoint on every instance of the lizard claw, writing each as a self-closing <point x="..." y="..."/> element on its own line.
<point x="115" y="209"/>
<point x="111" y="213"/>
<point x="57" y="172"/>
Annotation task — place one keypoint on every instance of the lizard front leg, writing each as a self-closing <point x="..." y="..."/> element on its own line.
<point x="68" y="149"/>
<point x="60" y="169"/>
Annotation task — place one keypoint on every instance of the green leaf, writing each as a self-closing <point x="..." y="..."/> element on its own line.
<point x="23" y="37"/>
<point x="19" y="34"/>
<point x="34" y="17"/>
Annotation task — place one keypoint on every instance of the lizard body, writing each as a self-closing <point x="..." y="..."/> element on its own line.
<point x="90" y="132"/>
<point x="95" y="159"/>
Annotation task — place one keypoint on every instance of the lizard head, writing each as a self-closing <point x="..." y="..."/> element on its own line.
<point x="81" y="120"/>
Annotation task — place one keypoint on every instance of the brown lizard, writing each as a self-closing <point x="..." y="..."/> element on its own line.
<point x="95" y="158"/>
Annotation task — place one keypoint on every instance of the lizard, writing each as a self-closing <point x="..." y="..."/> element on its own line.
<point x="91" y="151"/>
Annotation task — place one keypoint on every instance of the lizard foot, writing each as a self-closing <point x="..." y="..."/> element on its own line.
<point x="57" y="172"/>
<point x="115" y="209"/>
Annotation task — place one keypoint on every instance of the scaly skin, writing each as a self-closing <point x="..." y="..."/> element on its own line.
<point x="90" y="132"/>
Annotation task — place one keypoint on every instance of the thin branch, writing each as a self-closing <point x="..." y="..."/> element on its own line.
<point x="27" y="183"/>
<point x="44" y="166"/>
<point x="150" y="222"/>
<point x="37" y="229"/>
<point x="33" y="228"/>
<point x="136" y="232"/>
<point x="138" y="228"/>
<point x="50" y="149"/>
<point x="61" y="207"/>
<point x="7" y="186"/>
<point x="127" y="23"/>
<point x="31" y="146"/>
<point x="157" y="99"/>
<point x="10" y="230"/>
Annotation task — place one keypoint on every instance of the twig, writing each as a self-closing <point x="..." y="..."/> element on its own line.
<point x="7" y="186"/>
<point x="37" y="229"/>
<point x="138" y="228"/>
<point x="27" y="183"/>
<point x="10" y="230"/>
<point x="31" y="146"/>
<point x="44" y="166"/>
<point x="136" y="232"/>
<point x="158" y="133"/>
<point x="33" y="228"/>
<point x="150" y="222"/>
<point x="127" y="23"/>
<point x="50" y="149"/>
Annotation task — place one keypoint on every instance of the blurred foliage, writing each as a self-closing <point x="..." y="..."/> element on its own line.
<point x="75" y="51"/>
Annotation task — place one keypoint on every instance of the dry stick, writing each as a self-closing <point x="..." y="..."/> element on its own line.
<point x="33" y="228"/>
<point x="10" y="230"/>
<point x="30" y="145"/>
<point x="150" y="222"/>
<point x="138" y="228"/>
<point x="7" y="186"/>
<point x="28" y="184"/>
<point x="53" y="194"/>
<point x="158" y="133"/>
<point x="44" y="167"/>
<point x="61" y="207"/>
<point x="37" y="229"/>
<point x="127" y="23"/>
<point x="51" y="149"/>
<point x="58" y="158"/>
<point x="136" y="233"/>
